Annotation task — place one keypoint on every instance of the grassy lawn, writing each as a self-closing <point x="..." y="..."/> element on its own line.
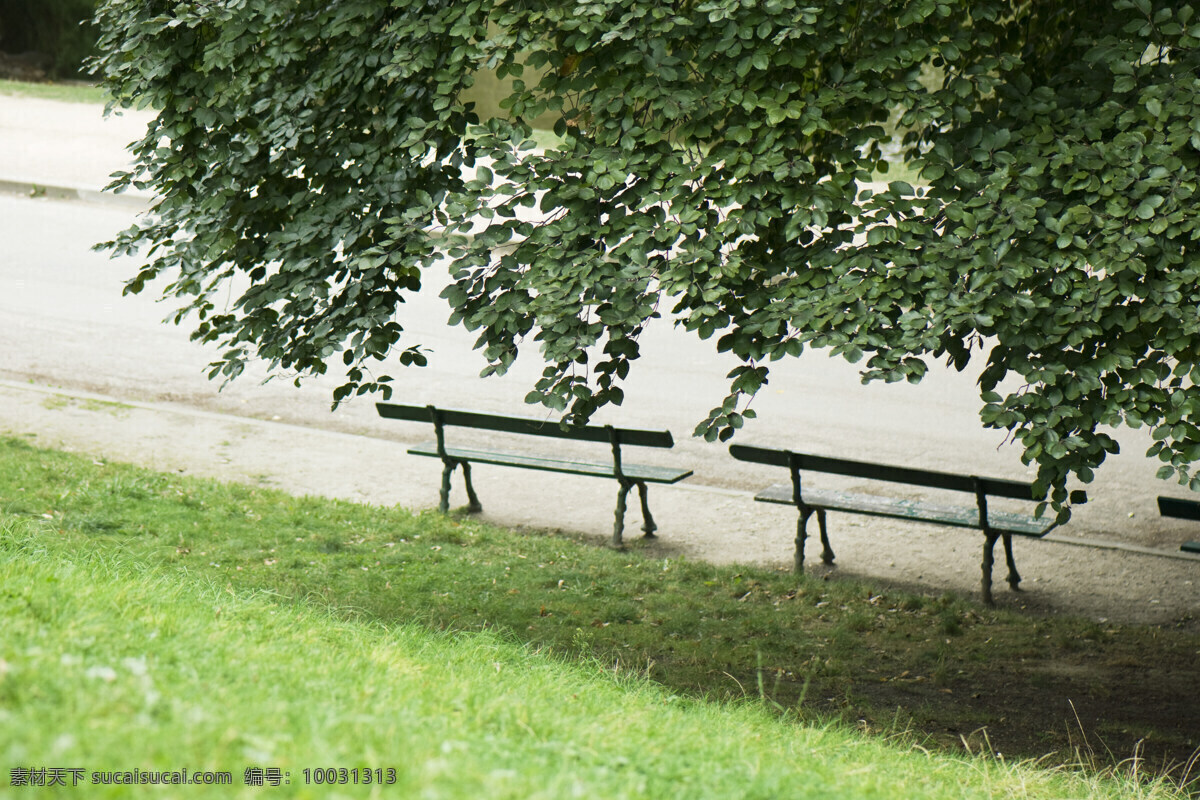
<point x="66" y="92"/>
<point x="111" y="665"/>
<point x="153" y="621"/>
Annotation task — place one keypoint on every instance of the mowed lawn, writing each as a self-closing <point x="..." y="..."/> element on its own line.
<point x="157" y="623"/>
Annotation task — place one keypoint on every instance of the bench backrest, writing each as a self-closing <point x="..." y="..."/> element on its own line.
<point x="994" y="487"/>
<point x="525" y="425"/>
<point x="1183" y="509"/>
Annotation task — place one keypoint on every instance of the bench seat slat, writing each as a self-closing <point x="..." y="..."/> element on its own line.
<point x="875" y="505"/>
<point x="639" y="472"/>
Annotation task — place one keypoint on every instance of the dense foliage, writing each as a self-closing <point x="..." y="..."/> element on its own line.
<point x="57" y="30"/>
<point x="714" y="152"/>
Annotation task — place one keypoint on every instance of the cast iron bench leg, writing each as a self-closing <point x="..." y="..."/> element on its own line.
<point x="619" y="523"/>
<point x="448" y="467"/>
<point x="801" y="537"/>
<point x="989" y="558"/>
<point x="447" y="471"/>
<point x="1013" y="578"/>
<point x="647" y="521"/>
<point x="826" y="550"/>
<point x="473" y="504"/>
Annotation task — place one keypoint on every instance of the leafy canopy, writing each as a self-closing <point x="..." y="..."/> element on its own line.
<point x="315" y="157"/>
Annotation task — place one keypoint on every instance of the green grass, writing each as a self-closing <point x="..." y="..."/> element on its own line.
<point x="65" y="92"/>
<point x="934" y="670"/>
<point x="110" y="665"/>
<point x="59" y="402"/>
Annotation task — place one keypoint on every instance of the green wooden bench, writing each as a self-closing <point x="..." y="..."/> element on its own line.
<point x="994" y="525"/>
<point x="452" y="457"/>
<point x="1181" y="509"/>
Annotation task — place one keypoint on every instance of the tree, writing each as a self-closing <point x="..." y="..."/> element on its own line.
<point x="712" y="158"/>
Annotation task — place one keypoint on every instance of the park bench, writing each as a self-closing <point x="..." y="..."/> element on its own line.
<point x="994" y="524"/>
<point x="1181" y="509"/>
<point x="626" y="475"/>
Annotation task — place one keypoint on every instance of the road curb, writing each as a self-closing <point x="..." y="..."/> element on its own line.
<point x="1109" y="544"/>
<point x="76" y="194"/>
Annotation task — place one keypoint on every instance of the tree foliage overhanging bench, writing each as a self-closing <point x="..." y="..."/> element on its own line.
<point x="995" y="525"/>
<point x="1181" y="509"/>
<point x="627" y="475"/>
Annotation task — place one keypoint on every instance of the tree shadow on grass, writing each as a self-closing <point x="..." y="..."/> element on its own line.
<point x="942" y="669"/>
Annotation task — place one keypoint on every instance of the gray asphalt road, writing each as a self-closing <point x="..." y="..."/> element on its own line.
<point x="65" y="323"/>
